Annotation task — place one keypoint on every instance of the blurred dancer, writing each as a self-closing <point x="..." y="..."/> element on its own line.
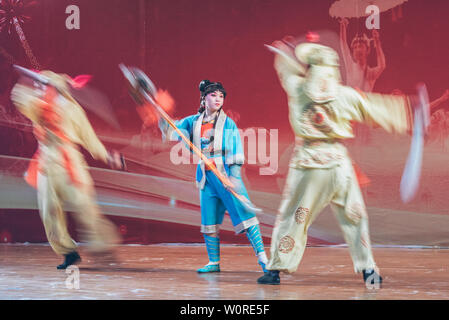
<point x="59" y="171"/>
<point x="321" y="173"/>
<point x="358" y="74"/>
<point x="434" y="105"/>
<point x="217" y="136"/>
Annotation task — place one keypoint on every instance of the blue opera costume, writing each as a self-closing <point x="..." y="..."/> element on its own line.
<point x="219" y="141"/>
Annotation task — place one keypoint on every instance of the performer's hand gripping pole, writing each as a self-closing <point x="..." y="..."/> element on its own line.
<point x="148" y="91"/>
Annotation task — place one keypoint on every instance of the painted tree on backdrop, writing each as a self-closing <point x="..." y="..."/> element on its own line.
<point x="12" y="16"/>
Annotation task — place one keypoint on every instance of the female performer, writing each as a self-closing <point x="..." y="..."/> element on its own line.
<point x="218" y="138"/>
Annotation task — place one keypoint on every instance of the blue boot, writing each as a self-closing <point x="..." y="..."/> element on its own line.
<point x="209" y="268"/>
<point x="213" y="252"/>
<point x="255" y="238"/>
<point x="264" y="269"/>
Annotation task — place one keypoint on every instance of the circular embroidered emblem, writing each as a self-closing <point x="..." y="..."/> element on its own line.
<point x="319" y="118"/>
<point x="301" y="214"/>
<point x="286" y="244"/>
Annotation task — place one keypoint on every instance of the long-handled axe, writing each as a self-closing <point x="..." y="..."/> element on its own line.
<point x="140" y="82"/>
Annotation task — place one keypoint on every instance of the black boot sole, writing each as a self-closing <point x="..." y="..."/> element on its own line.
<point x="66" y="264"/>
<point x="269" y="282"/>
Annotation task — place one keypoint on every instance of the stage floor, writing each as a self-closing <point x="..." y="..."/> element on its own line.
<point x="28" y="271"/>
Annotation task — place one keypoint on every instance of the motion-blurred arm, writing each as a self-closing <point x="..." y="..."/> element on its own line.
<point x="381" y="63"/>
<point x="87" y="136"/>
<point x="346" y="52"/>
<point x="392" y="113"/>
<point x="27" y="100"/>
<point x="290" y="72"/>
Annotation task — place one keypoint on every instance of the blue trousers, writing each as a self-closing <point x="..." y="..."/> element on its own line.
<point x="216" y="200"/>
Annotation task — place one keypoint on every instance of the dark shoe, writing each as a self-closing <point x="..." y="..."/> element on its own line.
<point x="372" y="279"/>
<point x="71" y="258"/>
<point x="270" y="277"/>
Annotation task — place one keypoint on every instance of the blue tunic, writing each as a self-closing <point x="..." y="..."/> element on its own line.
<point x="227" y="150"/>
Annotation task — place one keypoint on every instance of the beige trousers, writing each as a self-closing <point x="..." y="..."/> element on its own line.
<point x="54" y="189"/>
<point x="306" y="193"/>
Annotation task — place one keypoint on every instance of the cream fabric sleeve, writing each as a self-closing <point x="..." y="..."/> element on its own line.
<point x="86" y="134"/>
<point x="26" y="100"/>
<point x="290" y="73"/>
<point x="392" y="113"/>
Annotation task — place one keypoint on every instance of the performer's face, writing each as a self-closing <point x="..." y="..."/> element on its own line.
<point x="359" y="51"/>
<point x="214" y="101"/>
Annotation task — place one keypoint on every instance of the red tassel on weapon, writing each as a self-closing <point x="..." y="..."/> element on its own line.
<point x="80" y="81"/>
<point x="166" y="101"/>
<point x="147" y="112"/>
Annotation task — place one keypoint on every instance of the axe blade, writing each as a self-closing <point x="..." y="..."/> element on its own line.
<point x="128" y="75"/>
<point x="144" y="81"/>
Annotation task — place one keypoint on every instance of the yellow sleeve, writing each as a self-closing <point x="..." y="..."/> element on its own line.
<point x="87" y="136"/>
<point x="27" y="101"/>
<point x="290" y="74"/>
<point x="392" y="113"/>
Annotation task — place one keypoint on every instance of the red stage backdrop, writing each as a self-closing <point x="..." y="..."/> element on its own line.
<point x="179" y="43"/>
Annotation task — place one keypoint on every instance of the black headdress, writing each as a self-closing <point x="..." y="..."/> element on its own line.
<point x="207" y="87"/>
